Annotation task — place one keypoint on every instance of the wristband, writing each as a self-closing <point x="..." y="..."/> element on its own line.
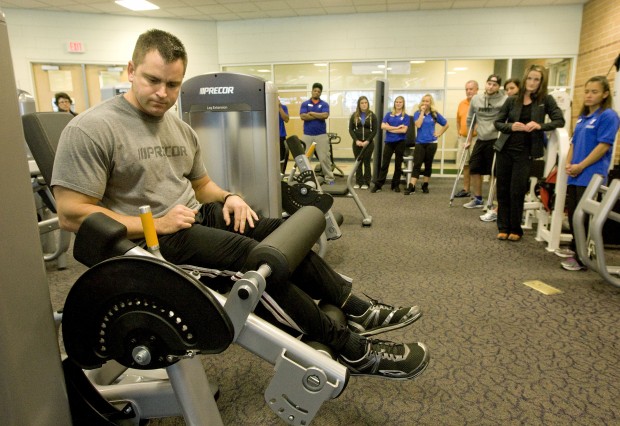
<point x="232" y="194"/>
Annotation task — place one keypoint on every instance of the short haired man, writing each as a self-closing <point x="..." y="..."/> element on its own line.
<point x="314" y="112"/>
<point x="486" y="107"/>
<point x="471" y="88"/>
<point x="128" y="151"/>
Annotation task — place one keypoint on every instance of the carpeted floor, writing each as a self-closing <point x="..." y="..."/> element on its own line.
<point x="502" y="353"/>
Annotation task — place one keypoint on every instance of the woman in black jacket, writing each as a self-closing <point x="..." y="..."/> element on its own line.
<point x="363" y="128"/>
<point x="521" y="122"/>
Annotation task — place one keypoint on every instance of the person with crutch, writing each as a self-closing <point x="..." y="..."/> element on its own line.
<point x="464" y="144"/>
<point x="464" y="157"/>
<point x="486" y="106"/>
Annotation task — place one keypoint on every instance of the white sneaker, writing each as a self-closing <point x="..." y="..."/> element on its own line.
<point x="489" y="216"/>
<point x="571" y="264"/>
<point x="565" y="253"/>
<point x="364" y="186"/>
<point x="356" y="186"/>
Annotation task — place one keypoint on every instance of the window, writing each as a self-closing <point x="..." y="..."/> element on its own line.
<point x="344" y="82"/>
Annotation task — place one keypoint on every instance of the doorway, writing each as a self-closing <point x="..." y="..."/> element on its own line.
<point x="86" y="84"/>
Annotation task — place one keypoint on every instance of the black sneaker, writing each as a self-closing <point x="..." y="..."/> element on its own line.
<point x="396" y="361"/>
<point x="381" y="317"/>
<point x="375" y="188"/>
<point x="396" y="189"/>
<point x="425" y="188"/>
<point x="410" y="189"/>
<point x="462" y="194"/>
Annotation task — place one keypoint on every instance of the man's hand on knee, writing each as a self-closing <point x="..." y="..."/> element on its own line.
<point x="241" y="211"/>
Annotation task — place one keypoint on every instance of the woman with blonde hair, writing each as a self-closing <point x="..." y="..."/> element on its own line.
<point x="395" y="123"/>
<point x="426" y="119"/>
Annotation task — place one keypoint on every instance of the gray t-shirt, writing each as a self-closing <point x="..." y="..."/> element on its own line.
<point x="486" y="109"/>
<point x="126" y="159"/>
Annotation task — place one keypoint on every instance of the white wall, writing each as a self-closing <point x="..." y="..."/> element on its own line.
<point x="465" y="33"/>
<point x="37" y="36"/>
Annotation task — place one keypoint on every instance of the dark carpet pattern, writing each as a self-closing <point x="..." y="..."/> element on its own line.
<point x="502" y="353"/>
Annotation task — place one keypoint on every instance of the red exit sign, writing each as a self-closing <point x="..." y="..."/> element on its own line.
<point x="76" y="47"/>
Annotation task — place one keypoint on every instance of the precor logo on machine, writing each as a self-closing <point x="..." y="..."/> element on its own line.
<point x="217" y="90"/>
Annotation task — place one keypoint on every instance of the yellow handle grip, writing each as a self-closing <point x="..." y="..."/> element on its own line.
<point x="311" y="150"/>
<point x="148" y="225"/>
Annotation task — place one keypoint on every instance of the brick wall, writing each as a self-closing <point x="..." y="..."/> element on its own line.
<point x="598" y="48"/>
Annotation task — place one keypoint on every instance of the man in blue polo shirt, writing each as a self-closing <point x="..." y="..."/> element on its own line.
<point x="314" y="112"/>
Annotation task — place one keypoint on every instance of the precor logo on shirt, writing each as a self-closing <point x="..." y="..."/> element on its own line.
<point x="229" y="90"/>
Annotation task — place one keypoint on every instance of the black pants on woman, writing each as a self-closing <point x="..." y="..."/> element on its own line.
<point x="513" y="166"/>
<point x="573" y="196"/>
<point x="389" y="149"/>
<point x="423" y="153"/>
<point x="363" y="173"/>
<point x="210" y="243"/>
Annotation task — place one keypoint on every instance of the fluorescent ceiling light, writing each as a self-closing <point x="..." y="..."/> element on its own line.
<point x="263" y="71"/>
<point x="320" y="65"/>
<point x="137" y="5"/>
<point x="417" y="62"/>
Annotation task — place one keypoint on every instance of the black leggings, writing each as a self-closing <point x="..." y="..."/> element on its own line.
<point x="363" y="174"/>
<point x="389" y="149"/>
<point x="423" y="153"/>
<point x="573" y="196"/>
<point x="513" y="172"/>
<point x="210" y="243"/>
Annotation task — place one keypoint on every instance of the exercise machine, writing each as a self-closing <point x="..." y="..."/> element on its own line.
<point x="42" y="132"/>
<point x="236" y="119"/>
<point x="122" y="310"/>
<point x="549" y="228"/>
<point x="307" y="176"/>
<point x="307" y="185"/>
<point x="32" y="379"/>
<point x="334" y="139"/>
<point x="596" y="205"/>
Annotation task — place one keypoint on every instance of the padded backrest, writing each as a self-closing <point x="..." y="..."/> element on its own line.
<point x="42" y="131"/>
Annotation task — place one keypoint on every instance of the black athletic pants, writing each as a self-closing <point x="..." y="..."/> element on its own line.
<point x="389" y="149"/>
<point x="210" y="243"/>
<point x="423" y="153"/>
<point x="513" y="173"/>
<point x="363" y="174"/>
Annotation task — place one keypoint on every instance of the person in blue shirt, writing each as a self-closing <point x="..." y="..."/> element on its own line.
<point x="395" y="124"/>
<point x="426" y="120"/>
<point x="314" y="112"/>
<point x="590" y="150"/>
<point x="283" y="117"/>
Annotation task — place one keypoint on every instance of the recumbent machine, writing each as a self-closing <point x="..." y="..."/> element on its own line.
<point x="134" y="310"/>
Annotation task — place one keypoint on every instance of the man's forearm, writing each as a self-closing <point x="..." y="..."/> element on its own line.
<point x="210" y="192"/>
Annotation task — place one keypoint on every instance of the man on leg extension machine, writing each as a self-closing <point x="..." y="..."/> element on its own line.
<point x="127" y="152"/>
